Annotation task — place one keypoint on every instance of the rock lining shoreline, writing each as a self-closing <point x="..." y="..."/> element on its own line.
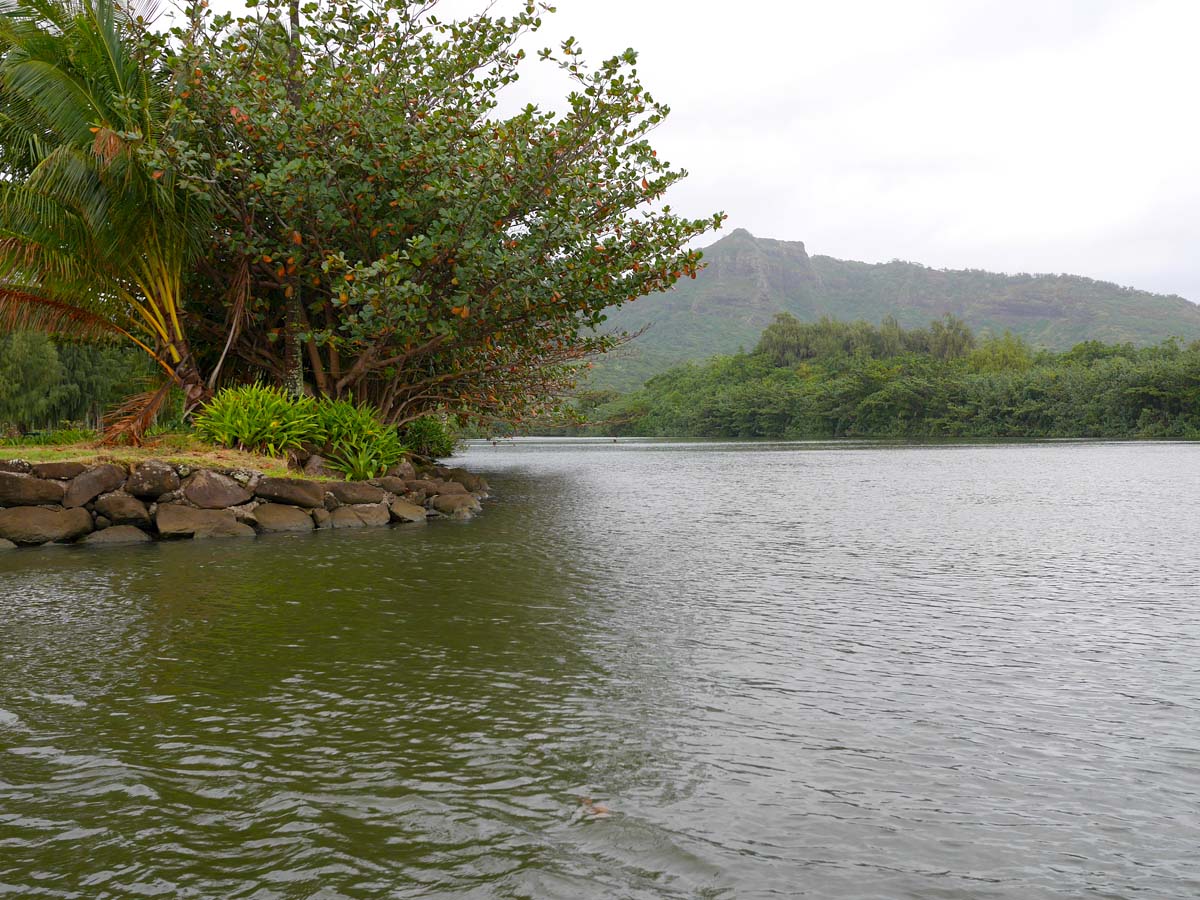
<point x="107" y="503"/>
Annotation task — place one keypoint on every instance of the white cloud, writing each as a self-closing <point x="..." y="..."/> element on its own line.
<point x="1030" y="136"/>
<point x="1017" y="135"/>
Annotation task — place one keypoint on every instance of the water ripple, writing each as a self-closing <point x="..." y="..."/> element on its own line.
<point x="652" y="669"/>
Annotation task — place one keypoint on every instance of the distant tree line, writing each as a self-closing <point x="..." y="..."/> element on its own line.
<point x="45" y="385"/>
<point x="855" y="379"/>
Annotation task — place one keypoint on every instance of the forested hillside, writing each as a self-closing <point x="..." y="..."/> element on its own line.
<point x="747" y="280"/>
<point x="854" y="379"/>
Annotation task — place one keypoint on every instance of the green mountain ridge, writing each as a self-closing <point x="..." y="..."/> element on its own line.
<point x="747" y="280"/>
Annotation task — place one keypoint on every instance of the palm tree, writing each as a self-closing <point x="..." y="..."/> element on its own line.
<point x="97" y="222"/>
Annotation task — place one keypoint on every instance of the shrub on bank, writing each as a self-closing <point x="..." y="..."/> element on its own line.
<point x="356" y="443"/>
<point x="430" y="437"/>
<point x="266" y="419"/>
<point x="260" y="418"/>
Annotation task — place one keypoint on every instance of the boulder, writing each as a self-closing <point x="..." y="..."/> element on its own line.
<point x="26" y="490"/>
<point x="403" y="511"/>
<point x="274" y="517"/>
<point x="360" y="516"/>
<point x="429" y="486"/>
<point x="64" y="471"/>
<point x="212" y="490"/>
<point x="403" y="470"/>
<point x="351" y="492"/>
<point x="151" y="479"/>
<point x="121" y="508"/>
<point x="294" y="491"/>
<point x="91" y="484"/>
<point x="17" y="466"/>
<point x="344" y="517"/>
<point x="374" y="514"/>
<point x="448" y="504"/>
<point x="315" y="467"/>
<point x="118" y="534"/>
<point x="235" y="530"/>
<point x="100" y="522"/>
<point x="34" y="525"/>
<point x="392" y="484"/>
<point x="246" y="512"/>
<point x="451" y="487"/>
<point x="174" y="520"/>
<point x="476" y="484"/>
<point x="6" y="545"/>
<point x="322" y="518"/>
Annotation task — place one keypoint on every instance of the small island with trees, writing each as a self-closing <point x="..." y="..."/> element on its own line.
<point x="308" y="234"/>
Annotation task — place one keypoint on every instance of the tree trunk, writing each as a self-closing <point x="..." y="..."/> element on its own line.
<point x="293" y="355"/>
<point x="293" y="358"/>
<point x="191" y="382"/>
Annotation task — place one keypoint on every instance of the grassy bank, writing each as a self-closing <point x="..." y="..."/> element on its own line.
<point x="177" y="449"/>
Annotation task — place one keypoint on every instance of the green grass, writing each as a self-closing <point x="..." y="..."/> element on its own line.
<point x="177" y="449"/>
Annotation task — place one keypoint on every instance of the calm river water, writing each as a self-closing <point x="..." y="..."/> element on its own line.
<point x="649" y="670"/>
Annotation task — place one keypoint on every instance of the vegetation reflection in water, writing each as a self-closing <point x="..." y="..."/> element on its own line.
<point x="349" y="713"/>
<point x="648" y="670"/>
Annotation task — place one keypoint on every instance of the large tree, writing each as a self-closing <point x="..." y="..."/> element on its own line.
<point x="378" y="214"/>
<point x="99" y="223"/>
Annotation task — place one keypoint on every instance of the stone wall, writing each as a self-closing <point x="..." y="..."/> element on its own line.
<point x="108" y="503"/>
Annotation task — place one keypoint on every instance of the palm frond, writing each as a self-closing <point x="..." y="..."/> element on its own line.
<point x="130" y="421"/>
<point x="143" y="11"/>
<point x="73" y="180"/>
<point x="24" y="311"/>
<point x="53" y="98"/>
<point x="94" y="238"/>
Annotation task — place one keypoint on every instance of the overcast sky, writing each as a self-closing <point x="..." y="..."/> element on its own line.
<point x="1013" y="135"/>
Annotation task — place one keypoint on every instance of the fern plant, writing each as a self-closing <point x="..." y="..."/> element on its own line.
<point x="357" y="444"/>
<point x="260" y="418"/>
<point x="268" y="420"/>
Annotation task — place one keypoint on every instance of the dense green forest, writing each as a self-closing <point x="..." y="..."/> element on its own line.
<point x="747" y="280"/>
<point x="44" y="384"/>
<point x="838" y="379"/>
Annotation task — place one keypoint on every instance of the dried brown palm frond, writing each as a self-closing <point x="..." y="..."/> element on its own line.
<point x="129" y="422"/>
<point x="108" y="145"/>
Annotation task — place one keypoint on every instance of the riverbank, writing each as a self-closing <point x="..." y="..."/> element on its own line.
<point x="122" y="501"/>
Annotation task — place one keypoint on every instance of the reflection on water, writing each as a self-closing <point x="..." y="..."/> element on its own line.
<point x="651" y="669"/>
